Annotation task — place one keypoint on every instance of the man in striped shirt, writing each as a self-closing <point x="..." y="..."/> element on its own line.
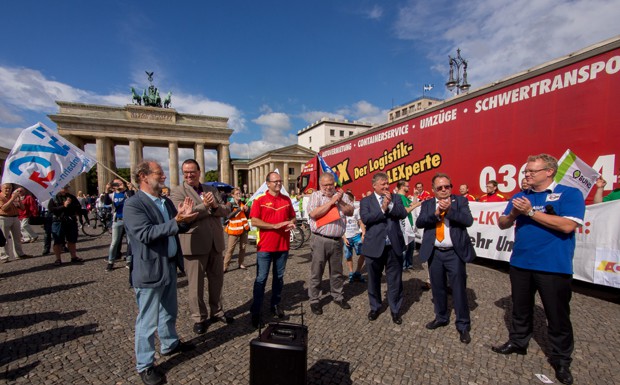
<point x="327" y="210"/>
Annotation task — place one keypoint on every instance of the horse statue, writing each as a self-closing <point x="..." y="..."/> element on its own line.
<point x="145" y="98"/>
<point x="168" y="100"/>
<point x="157" y="99"/>
<point x="135" y="97"/>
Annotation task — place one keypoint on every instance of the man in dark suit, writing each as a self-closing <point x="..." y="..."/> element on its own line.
<point x="203" y="247"/>
<point x="383" y="246"/>
<point x="447" y="248"/>
<point x="152" y="224"/>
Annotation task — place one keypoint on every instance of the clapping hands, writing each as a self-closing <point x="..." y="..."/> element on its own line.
<point x="185" y="212"/>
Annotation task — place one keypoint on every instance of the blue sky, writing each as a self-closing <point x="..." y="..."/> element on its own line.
<point x="272" y="67"/>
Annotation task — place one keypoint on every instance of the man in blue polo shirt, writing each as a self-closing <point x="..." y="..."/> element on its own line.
<point x="546" y="216"/>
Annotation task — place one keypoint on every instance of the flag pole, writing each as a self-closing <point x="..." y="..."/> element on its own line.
<point x="114" y="172"/>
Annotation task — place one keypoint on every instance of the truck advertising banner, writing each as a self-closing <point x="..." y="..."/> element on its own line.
<point x="489" y="134"/>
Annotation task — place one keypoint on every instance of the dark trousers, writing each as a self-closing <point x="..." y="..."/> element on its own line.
<point x="47" y="239"/>
<point x="444" y="266"/>
<point x="555" y="292"/>
<point x="393" y="264"/>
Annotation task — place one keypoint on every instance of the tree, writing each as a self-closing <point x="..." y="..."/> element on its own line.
<point x="212" y="176"/>
<point x="92" y="182"/>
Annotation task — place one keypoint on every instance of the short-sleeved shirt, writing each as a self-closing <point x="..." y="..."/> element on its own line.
<point x="424" y="196"/>
<point x="273" y="209"/>
<point x="538" y="247"/>
<point x="333" y="229"/>
<point x="612" y="196"/>
<point x="496" y="197"/>
<point x="353" y="224"/>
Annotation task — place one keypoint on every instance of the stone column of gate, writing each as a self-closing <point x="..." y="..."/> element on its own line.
<point x="79" y="183"/>
<point x="250" y="180"/>
<point x="263" y="174"/>
<point x="223" y="154"/>
<point x="173" y="163"/>
<point x="199" y="155"/>
<point x="104" y="157"/>
<point x="135" y="157"/>
<point x="285" y="177"/>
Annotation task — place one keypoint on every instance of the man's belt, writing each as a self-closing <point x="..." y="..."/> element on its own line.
<point x="325" y="236"/>
<point x="443" y="248"/>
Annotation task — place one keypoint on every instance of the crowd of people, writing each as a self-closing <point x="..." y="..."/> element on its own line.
<point x="194" y="230"/>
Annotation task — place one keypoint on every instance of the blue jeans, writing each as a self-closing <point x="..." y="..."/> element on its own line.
<point x="408" y="256"/>
<point x="117" y="238"/>
<point x="157" y="312"/>
<point x="263" y="261"/>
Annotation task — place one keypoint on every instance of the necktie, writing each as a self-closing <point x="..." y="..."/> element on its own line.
<point x="440" y="228"/>
<point x="381" y="201"/>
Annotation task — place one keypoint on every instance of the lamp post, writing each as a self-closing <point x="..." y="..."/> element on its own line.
<point x="460" y="82"/>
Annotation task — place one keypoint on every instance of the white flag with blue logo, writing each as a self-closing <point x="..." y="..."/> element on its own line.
<point x="574" y="172"/>
<point x="43" y="162"/>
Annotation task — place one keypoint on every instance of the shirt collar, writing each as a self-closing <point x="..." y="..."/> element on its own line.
<point x="549" y="188"/>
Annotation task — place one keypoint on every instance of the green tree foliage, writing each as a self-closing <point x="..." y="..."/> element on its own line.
<point x="212" y="176"/>
<point x="91" y="178"/>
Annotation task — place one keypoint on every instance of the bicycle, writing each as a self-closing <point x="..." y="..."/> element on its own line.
<point x="304" y="226"/>
<point x="99" y="222"/>
<point x="297" y="238"/>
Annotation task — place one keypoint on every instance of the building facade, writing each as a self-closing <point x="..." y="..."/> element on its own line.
<point x="411" y="107"/>
<point x="327" y="131"/>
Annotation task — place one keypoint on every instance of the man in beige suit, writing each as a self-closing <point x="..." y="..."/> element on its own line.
<point x="203" y="247"/>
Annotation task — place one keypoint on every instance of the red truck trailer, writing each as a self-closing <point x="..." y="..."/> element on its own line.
<point x="569" y="103"/>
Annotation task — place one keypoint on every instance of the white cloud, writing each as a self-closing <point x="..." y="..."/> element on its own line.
<point x="361" y="111"/>
<point x="313" y="116"/>
<point x="258" y="147"/>
<point x="273" y="124"/>
<point x="375" y="13"/>
<point x="502" y="37"/>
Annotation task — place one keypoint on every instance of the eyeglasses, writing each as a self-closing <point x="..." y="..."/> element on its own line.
<point x="190" y="172"/>
<point x="532" y="172"/>
<point x="443" y="187"/>
<point x="275" y="181"/>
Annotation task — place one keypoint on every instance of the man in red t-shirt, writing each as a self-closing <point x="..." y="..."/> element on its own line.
<point x="421" y="193"/>
<point x="464" y="190"/>
<point x="274" y="216"/>
<point x="492" y="195"/>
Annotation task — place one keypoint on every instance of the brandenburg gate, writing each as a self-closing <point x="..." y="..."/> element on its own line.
<point x="140" y="126"/>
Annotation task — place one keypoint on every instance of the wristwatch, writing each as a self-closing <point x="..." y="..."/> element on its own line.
<point x="531" y="213"/>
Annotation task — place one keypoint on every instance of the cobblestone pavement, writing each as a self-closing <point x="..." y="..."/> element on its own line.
<point x="73" y="324"/>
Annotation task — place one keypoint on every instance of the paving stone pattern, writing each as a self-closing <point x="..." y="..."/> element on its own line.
<point x="73" y="324"/>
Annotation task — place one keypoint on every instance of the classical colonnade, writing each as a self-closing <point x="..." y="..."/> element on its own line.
<point x="138" y="127"/>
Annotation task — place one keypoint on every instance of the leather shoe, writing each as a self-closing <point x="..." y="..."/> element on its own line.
<point x="373" y="315"/>
<point x="181" y="347"/>
<point x="222" y="318"/>
<point x="256" y="321"/>
<point x="343" y="304"/>
<point x="316" y="308"/>
<point x="509" y="348"/>
<point x="200" y="327"/>
<point x="277" y="311"/>
<point x="152" y="376"/>
<point x="464" y="336"/>
<point x="563" y="374"/>
<point x="434" y="324"/>
<point x="397" y="319"/>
